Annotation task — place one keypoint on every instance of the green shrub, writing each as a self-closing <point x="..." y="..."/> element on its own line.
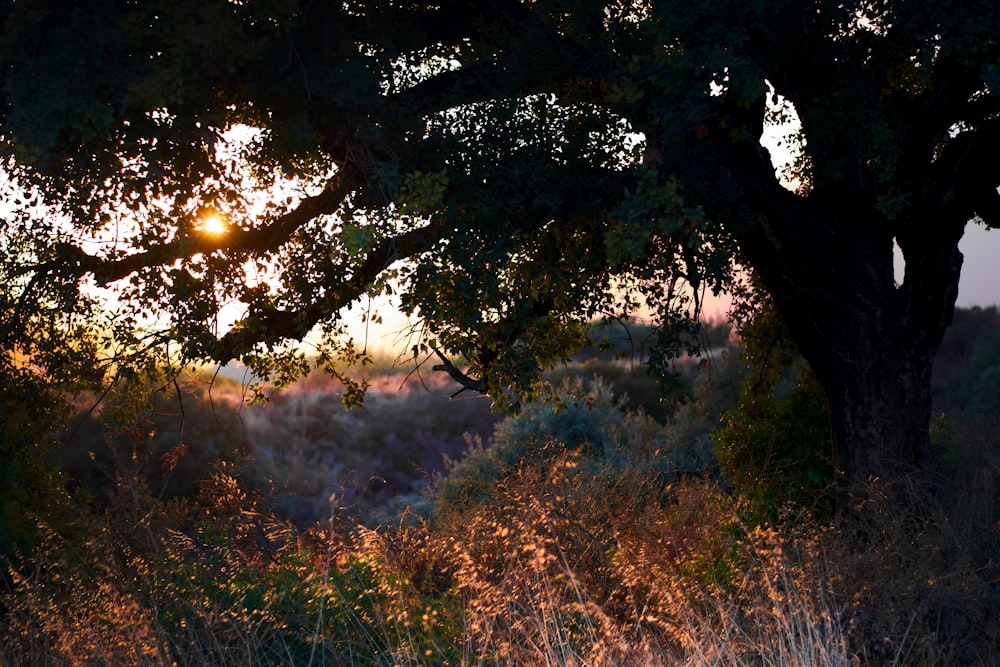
<point x="631" y="383"/>
<point x="716" y="389"/>
<point x="776" y="449"/>
<point x="591" y="422"/>
<point x="979" y="384"/>
<point x="775" y="446"/>
<point x="30" y="487"/>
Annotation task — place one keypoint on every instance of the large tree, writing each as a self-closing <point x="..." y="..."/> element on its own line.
<point x="535" y="164"/>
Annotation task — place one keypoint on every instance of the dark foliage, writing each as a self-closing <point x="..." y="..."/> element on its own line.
<point x="775" y="446"/>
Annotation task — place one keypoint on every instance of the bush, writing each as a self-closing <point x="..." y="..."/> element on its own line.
<point x="777" y="449"/>
<point x="591" y="423"/>
<point x="213" y="579"/>
<point x="182" y="431"/>
<point x="539" y="552"/>
<point x="979" y="384"/>
<point x="31" y="412"/>
<point x="631" y="384"/>
<point x="311" y="448"/>
<point x="775" y="446"/>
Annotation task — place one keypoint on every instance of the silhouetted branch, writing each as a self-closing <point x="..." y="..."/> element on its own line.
<point x="468" y="383"/>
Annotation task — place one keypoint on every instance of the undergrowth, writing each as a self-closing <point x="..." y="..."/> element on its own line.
<point x="580" y="534"/>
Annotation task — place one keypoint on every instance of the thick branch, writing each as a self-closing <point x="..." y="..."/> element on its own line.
<point x="467" y="382"/>
<point x="414" y="27"/>
<point x="965" y="177"/>
<point x="258" y="240"/>
<point x="271" y="325"/>
<point x="454" y="21"/>
<point x="565" y="60"/>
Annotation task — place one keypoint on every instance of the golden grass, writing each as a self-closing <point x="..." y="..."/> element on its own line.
<point x="569" y="562"/>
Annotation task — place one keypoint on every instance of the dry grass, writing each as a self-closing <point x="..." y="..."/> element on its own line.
<point x="574" y="558"/>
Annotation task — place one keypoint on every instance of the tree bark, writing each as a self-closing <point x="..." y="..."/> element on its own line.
<point x="878" y="391"/>
<point x="828" y="266"/>
<point x="871" y="345"/>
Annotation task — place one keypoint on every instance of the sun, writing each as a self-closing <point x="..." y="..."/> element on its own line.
<point x="213" y="223"/>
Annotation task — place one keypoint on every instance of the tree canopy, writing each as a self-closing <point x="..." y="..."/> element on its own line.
<point x="513" y="168"/>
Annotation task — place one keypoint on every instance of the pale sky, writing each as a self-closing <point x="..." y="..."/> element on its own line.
<point x="980" y="284"/>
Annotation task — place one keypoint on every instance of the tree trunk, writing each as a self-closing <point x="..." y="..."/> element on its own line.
<point x="870" y="342"/>
<point x="876" y="374"/>
<point x="871" y="345"/>
<point x="826" y="259"/>
<point x="878" y="394"/>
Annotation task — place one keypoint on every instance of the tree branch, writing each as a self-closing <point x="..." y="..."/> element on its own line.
<point x="468" y="383"/>
<point x="251" y="241"/>
<point x="965" y="177"/>
<point x="270" y="325"/>
<point x="418" y="25"/>
<point x="565" y="60"/>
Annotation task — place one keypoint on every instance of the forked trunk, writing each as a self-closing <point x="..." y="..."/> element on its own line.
<point x="827" y="262"/>
<point x="870" y="342"/>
